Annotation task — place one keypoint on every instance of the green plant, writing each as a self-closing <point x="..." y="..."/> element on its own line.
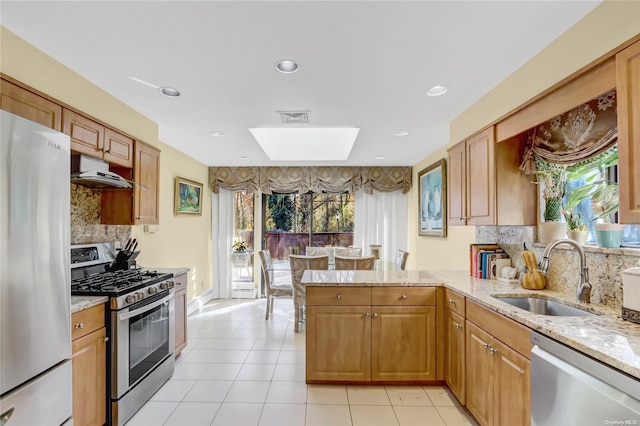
<point x="603" y="193"/>
<point x="574" y="221"/>
<point x="240" y="246"/>
<point x="554" y="178"/>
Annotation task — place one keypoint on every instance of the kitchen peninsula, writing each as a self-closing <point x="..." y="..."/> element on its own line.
<point x="605" y="336"/>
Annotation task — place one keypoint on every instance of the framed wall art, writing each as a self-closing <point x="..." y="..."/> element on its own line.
<point x="188" y="197"/>
<point x="432" y="185"/>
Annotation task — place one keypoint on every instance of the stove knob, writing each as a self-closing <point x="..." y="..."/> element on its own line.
<point x="140" y="295"/>
<point x="164" y="286"/>
<point x="153" y="290"/>
<point x="130" y="298"/>
<point x="171" y="284"/>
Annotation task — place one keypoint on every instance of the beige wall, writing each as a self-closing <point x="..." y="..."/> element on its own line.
<point x="607" y="26"/>
<point x="178" y="241"/>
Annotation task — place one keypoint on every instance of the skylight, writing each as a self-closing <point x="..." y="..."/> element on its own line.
<point x="306" y="143"/>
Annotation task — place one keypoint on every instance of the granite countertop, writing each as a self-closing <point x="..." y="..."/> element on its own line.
<point x="174" y="271"/>
<point x="605" y="337"/>
<point x="80" y="303"/>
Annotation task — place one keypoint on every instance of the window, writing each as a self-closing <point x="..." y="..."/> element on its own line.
<point x="295" y="221"/>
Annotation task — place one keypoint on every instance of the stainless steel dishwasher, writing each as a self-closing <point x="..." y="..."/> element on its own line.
<point x="570" y="388"/>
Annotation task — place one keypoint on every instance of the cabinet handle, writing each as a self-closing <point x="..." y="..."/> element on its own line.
<point x="375" y="315"/>
<point x="105" y="339"/>
<point x="339" y="296"/>
<point x="458" y="326"/>
<point x="452" y="302"/>
<point x="486" y="345"/>
<point x="107" y="151"/>
<point x="404" y="296"/>
<point x="79" y="326"/>
<point x="367" y="315"/>
<point x="493" y="351"/>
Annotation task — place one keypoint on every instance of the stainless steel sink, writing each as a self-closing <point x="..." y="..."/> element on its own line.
<point x="543" y="306"/>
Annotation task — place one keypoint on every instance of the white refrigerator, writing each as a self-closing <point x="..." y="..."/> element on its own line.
<point x="35" y="298"/>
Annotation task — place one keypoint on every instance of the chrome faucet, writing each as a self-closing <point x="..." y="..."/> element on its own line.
<point x="584" y="288"/>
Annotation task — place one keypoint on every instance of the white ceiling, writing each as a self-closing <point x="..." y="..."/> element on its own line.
<point x="365" y="64"/>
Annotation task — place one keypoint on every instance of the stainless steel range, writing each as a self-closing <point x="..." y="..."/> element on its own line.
<point x="140" y="323"/>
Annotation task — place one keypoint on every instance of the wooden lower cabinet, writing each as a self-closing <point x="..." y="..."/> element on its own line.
<point x="338" y="343"/>
<point x="455" y="363"/>
<point x="180" y="297"/>
<point x="349" y="339"/>
<point x="89" y="364"/>
<point x="403" y="339"/>
<point x="498" y="380"/>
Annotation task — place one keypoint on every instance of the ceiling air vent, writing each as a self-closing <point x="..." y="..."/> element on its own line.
<point x="294" y="117"/>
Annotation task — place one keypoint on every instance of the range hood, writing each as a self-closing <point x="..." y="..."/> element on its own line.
<point x="94" y="173"/>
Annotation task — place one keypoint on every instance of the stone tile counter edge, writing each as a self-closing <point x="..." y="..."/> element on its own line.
<point x="80" y="303"/>
<point x="605" y="337"/>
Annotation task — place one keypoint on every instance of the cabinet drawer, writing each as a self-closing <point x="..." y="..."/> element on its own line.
<point x="338" y="296"/>
<point x="455" y="302"/>
<point x="180" y="282"/>
<point x="399" y="296"/>
<point x="87" y="321"/>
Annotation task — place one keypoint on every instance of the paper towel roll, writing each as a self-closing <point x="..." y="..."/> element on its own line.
<point x="631" y="288"/>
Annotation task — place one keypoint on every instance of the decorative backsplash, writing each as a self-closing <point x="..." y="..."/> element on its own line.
<point x="605" y="265"/>
<point x="85" y="219"/>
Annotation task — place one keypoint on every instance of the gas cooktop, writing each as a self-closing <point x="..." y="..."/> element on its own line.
<point x="116" y="283"/>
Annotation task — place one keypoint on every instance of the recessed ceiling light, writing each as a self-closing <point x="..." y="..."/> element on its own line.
<point x="169" y="91"/>
<point x="242" y="157"/>
<point x="287" y="66"/>
<point x="306" y="143"/>
<point x="216" y="133"/>
<point x="437" y="91"/>
<point x="379" y="157"/>
<point x="400" y="133"/>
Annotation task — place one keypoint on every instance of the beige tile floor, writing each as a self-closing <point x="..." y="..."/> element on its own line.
<point x="239" y="369"/>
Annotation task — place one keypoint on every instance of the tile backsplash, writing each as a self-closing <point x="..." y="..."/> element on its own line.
<point x="605" y="265"/>
<point x="85" y="219"/>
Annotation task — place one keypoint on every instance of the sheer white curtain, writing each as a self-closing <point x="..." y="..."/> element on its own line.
<point x="381" y="218"/>
<point x="222" y="224"/>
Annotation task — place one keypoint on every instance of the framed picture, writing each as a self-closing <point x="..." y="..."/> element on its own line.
<point x="432" y="215"/>
<point x="188" y="198"/>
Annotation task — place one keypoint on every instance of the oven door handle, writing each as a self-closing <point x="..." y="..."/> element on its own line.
<point x="145" y="308"/>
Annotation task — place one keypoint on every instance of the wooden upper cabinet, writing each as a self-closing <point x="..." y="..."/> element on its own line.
<point x="481" y="179"/>
<point x="456" y="185"/>
<point x="33" y="107"/>
<point x="146" y="173"/>
<point x="628" y="88"/>
<point x="118" y="148"/>
<point x="87" y="136"/>
<point x="96" y="140"/>
<point x="485" y="185"/>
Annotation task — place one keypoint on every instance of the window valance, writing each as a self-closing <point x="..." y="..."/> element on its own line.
<point x="574" y="136"/>
<point x="311" y="179"/>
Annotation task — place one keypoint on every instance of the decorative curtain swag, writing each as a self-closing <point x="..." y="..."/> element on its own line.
<point x="310" y="179"/>
<point x="574" y="136"/>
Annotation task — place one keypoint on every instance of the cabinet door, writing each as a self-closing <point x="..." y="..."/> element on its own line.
<point x="87" y="136"/>
<point x="456" y="184"/>
<point x="147" y="173"/>
<point x="338" y="343"/>
<point x="628" y="88"/>
<point x="455" y="356"/>
<point x="181" y="312"/>
<point x="27" y="104"/>
<point x="118" y="148"/>
<point x="479" y="374"/>
<point x="403" y="343"/>
<point x="512" y="391"/>
<point x="89" y="379"/>
<point x="481" y="184"/>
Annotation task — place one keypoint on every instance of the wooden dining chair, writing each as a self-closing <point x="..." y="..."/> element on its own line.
<point x="401" y="259"/>
<point x="273" y="288"/>
<point x="355" y="263"/>
<point x="348" y="251"/>
<point x="299" y="264"/>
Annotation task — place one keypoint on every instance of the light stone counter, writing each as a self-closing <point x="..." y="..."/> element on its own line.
<point x="174" y="271"/>
<point x="605" y="337"/>
<point x="80" y="303"/>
